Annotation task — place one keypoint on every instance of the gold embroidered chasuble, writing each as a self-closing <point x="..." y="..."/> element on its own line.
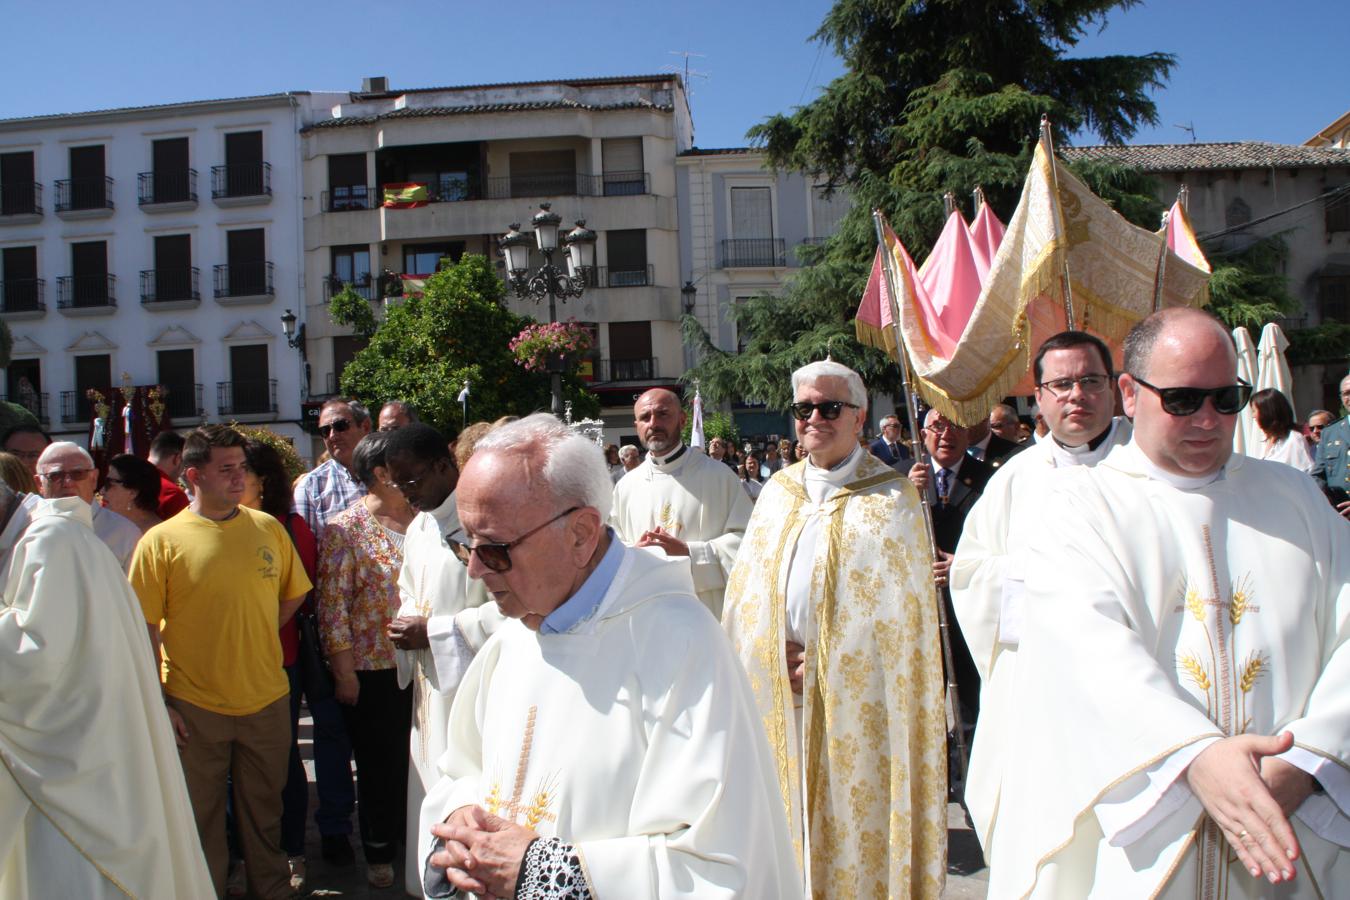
<point x="873" y="720"/>
<point x="1160" y="618"/>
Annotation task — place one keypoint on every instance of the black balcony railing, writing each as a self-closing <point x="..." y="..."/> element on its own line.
<point x="84" y="193"/>
<point x="241" y="180"/>
<point x="246" y="396"/>
<point x="20" y="295"/>
<point x="751" y="252"/>
<point x="620" y="276"/>
<point x="167" y="285"/>
<point x="86" y="291"/>
<point x="628" y="369"/>
<point x="349" y="197"/>
<point x="184" y="401"/>
<point x="167" y="187"/>
<point x="23" y="198"/>
<point x="364" y="286"/>
<point x="33" y="402"/>
<point x="250" y="279"/>
<point x="75" y="406"/>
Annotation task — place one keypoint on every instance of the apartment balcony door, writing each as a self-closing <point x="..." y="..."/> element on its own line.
<point x="250" y="386"/>
<point x="169" y="160"/>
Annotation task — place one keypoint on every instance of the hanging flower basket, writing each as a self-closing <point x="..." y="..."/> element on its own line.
<point x="550" y="347"/>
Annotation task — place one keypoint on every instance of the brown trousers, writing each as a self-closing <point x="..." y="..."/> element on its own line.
<point x="253" y="751"/>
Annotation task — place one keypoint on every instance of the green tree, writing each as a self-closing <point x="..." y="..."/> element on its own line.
<point x="1248" y="286"/>
<point x="938" y="96"/>
<point x="428" y="346"/>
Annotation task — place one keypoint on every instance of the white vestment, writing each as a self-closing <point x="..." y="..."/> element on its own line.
<point x="435" y="585"/>
<point x="92" y="798"/>
<point x="696" y="499"/>
<point x="1164" y="613"/>
<point x="118" y="532"/>
<point x="634" y="737"/>
<point x="987" y="578"/>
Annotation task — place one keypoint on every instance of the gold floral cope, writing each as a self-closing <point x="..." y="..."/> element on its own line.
<point x="875" y="731"/>
<point x="1222" y="677"/>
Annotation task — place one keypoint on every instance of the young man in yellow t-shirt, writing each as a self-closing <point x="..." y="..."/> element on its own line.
<point x="215" y="582"/>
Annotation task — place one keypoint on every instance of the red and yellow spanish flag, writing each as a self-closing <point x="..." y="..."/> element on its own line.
<point x="405" y="195"/>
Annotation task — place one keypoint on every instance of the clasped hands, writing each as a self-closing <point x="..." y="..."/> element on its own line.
<point x="1250" y="795"/>
<point x="482" y="853"/>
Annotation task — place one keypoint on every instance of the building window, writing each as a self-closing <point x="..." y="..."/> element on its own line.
<point x="23" y="383"/>
<point x="345" y="348"/>
<point x="1238" y="213"/>
<point x="88" y="184"/>
<point x="627" y="255"/>
<point x="1333" y="298"/>
<point x="621" y="160"/>
<point x="91" y="373"/>
<point x="347" y="182"/>
<point x="175" y="279"/>
<point x="543" y="173"/>
<point x="178" y="373"/>
<point x="827" y="209"/>
<point x="1338" y="211"/>
<point x="630" y="351"/>
<point x="251" y="391"/>
<point x="18" y="186"/>
<point x="751" y="212"/>
<point x="425" y="259"/>
<point x="20" y="290"/>
<point x="245" y="172"/>
<point x="89" y="274"/>
<point x="171" y="171"/>
<point x="246" y="272"/>
<point x="351" y="265"/>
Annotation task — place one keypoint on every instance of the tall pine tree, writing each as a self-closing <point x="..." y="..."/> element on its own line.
<point x="938" y="96"/>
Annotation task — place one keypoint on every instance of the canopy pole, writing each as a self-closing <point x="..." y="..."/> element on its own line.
<point x="911" y="409"/>
<point x="1049" y="145"/>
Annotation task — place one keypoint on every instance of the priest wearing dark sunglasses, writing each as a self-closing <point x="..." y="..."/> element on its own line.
<point x="604" y="742"/>
<point x="1187" y="610"/>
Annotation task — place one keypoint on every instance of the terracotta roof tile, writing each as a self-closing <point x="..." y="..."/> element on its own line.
<point x="1199" y="157"/>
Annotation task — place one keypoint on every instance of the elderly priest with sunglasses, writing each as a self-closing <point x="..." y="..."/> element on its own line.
<point x="604" y="742"/>
<point x="1074" y="391"/>
<point x="1185" y="730"/>
<point x="832" y="611"/>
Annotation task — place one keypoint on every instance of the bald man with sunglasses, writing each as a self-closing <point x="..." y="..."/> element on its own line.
<point x="1185" y="729"/>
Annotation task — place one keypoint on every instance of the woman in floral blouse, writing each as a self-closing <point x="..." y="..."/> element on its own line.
<point x="359" y="561"/>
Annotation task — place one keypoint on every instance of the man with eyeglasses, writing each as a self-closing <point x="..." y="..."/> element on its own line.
<point x="441" y="621"/>
<point x="832" y="613"/>
<point x="66" y="469"/>
<point x="604" y="742"/>
<point x="1076" y="397"/>
<point x="320" y="495"/>
<point x="679" y="503"/>
<point x="1331" y="464"/>
<point x="890" y="448"/>
<point x="1182" y="668"/>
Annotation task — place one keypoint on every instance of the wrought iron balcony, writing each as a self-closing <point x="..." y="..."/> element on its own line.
<point x="250" y="279"/>
<point x="628" y="369"/>
<point x="169" y="285"/>
<point x="753" y="252"/>
<point x="34" y="403"/>
<point x="184" y="401"/>
<point x="621" y="276"/>
<point x="349" y="197"/>
<point x="364" y="286"/>
<point x="244" y="396"/>
<point x="76" y="407"/>
<point x="241" y="180"/>
<point x="23" y="295"/>
<point x="167" y="187"/>
<point x="75" y="194"/>
<point x="22" y="198"/>
<point x="86" y="291"/>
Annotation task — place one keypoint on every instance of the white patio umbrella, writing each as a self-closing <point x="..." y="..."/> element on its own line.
<point x="1244" y="435"/>
<point x="1272" y="369"/>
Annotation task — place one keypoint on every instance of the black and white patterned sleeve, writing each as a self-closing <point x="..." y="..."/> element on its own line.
<point x="551" y="870"/>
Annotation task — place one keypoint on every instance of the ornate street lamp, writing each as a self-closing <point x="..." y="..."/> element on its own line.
<point x="295" y="339"/>
<point x="549" y="281"/>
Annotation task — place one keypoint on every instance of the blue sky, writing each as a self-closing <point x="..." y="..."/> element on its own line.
<point x="1248" y="70"/>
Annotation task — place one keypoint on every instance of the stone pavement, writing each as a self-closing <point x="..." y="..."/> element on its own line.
<point x="967" y="878"/>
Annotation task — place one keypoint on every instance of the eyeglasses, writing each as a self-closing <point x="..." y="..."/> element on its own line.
<point x="940" y="426"/>
<point x="412" y="483"/>
<point x="1185" y="401"/>
<point x="67" y="475"/>
<point x="1063" y="387"/>
<point x="1316" y="428"/>
<point x="338" y="425"/>
<point x="829" y="409"/>
<point x="497" y="557"/>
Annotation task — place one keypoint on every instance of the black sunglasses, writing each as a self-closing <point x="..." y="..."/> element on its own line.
<point x="338" y="425"/>
<point x="1185" y="401"/>
<point x="496" y="557"/>
<point x="830" y="409"/>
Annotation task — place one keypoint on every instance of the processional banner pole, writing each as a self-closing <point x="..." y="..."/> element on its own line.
<point x="911" y="410"/>
<point x="1049" y="143"/>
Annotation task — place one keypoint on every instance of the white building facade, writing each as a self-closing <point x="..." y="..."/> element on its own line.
<point x="155" y="245"/>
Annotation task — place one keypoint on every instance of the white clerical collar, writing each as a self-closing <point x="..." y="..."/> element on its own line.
<point x="839" y="474"/>
<point x="1181" y="482"/>
<point x="668" y="462"/>
<point x="1084" y="454"/>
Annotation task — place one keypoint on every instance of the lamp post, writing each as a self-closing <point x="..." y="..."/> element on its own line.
<point x="549" y="281"/>
<point x="295" y="339"/>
